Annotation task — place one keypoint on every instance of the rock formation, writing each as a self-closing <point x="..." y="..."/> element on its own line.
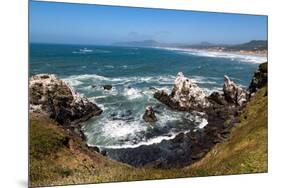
<point x="50" y="95"/>
<point x="233" y="93"/>
<point x="259" y="79"/>
<point x="185" y="95"/>
<point x="107" y="87"/>
<point x="149" y="115"/>
<point x="217" y="98"/>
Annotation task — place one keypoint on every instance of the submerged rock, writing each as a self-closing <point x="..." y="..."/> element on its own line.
<point x="233" y="93"/>
<point x="149" y="115"/>
<point x="107" y="87"/>
<point x="185" y="95"/>
<point x="50" y="95"/>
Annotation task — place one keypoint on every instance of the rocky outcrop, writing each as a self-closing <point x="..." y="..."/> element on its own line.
<point x="50" y="95"/>
<point x="259" y="79"/>
<point x="234" y="94"/>
<point x="217" y="98"/>
<point x="149" y="115"/>
<point x="221" y="109"/>
<point x="107" y="87"/>
<point x="185" y="95"/>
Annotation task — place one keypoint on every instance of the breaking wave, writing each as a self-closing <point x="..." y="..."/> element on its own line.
<point x="76" y="80"/>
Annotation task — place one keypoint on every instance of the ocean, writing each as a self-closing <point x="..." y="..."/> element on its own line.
<point x="135" y="73"/>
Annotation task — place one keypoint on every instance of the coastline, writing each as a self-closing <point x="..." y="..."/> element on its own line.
<point x="248" y="56"/>
<point x="192" y="145"/>
<point x="247" y="140"/>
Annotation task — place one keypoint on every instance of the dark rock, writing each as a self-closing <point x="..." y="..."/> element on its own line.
<point x="217" y="98"/>
<point x="259" y="79"/>
<point x="94" y="86"/>
<point x="107" y="87"/>
<point x="104" y="152"/>
<point x="179" y="138"/>
<point x="94" y="148"/>
<point x="149" y="115"/>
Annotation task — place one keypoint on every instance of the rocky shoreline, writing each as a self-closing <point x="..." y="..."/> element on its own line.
<point x="54" y="97"/>
<point x="191" y="146"/>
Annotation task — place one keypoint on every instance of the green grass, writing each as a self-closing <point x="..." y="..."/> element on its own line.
<point x="57" y="158"/>
<point x="246" y="150"/>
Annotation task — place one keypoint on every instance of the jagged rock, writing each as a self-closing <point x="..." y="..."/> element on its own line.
<point x="59" y="101"/>
<point x="185" y="95"/>
<point x="259" y="79"/>
<point x="188" y="93"/>
<point x="233" y="93"/>
<point x="149" y="115"/>
<point x="217" y="98"/>
<point x="107" y="87"/>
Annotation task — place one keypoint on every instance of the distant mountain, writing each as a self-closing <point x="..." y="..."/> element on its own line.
<point x="144" y="43"/>
<point x="253" y="45"/>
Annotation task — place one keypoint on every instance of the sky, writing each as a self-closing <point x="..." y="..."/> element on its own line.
<point x="94" y="24"/>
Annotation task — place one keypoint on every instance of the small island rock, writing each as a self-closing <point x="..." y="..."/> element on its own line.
<point x="185" y="95"/>
<point x="107" y="87"/>
<point x="149" y="115"/>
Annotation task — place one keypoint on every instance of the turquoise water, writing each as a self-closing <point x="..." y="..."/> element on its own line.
<point x="134" y="73"/>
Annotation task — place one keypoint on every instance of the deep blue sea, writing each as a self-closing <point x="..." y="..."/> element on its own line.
<point x="134" y="72"/>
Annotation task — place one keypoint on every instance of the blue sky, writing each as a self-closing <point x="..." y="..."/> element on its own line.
<point x="93" y="24"/>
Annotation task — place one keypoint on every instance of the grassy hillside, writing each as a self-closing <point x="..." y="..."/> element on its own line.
<point x="57" y="157"/>
<point x="246" y="149"/>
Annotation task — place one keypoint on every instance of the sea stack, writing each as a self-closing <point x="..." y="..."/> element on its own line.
<point x="149" y="115"/>
<point x="184" y="96"/>
<point x="54" y="97"/>
<point x="107" y="87"/>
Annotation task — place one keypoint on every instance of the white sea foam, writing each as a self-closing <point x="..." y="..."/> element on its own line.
<point x="72" y="82"/>
<point x="203" y="80"/>
<point x="120" y="128"/>
<point x="233" y="56"/>
<point x="132" y="93"/>
<point x="86" y="51"/>
<point x="165" y="79"/>
<point x="151" y="141"/>
<point x="203" y="123"/>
